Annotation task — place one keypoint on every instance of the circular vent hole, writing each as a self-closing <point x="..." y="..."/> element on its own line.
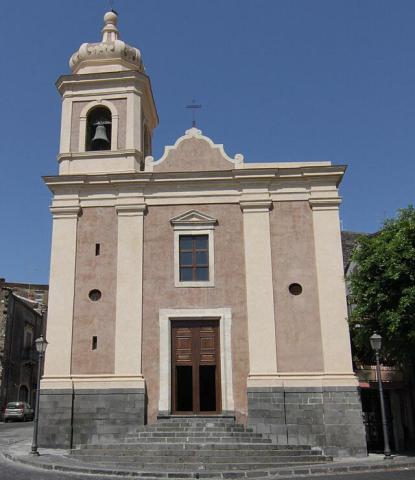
<point x="94" y="295"/>
<point x="295" y="289"/>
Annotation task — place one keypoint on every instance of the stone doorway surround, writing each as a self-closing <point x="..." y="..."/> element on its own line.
<point x="224" y="315"/>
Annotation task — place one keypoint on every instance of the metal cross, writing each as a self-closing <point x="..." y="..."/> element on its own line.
<point x="193" y="106"/>
<point x="111" y="2"/>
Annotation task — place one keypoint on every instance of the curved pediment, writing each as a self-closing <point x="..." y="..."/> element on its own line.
<point x="193" y="152"/>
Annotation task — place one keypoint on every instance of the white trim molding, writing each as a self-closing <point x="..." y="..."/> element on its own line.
<point x="193" y="222"/>
<point x="224" y="315"/>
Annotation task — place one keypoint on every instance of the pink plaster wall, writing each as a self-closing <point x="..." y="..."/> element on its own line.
<point x="160" y="292"/>
<point x="297" y="317"/>
<point x="96" y="225"/>
<point x="194" y="154"/>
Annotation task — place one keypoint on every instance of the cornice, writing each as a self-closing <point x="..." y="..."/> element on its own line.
<point x="65" y="81"/>
<point x="256" y="206"/>
<point x="331" y="203"/>
<point x="318" y="183"/>
<point x="72" y="211"/>
<point x="333" y="174"/>
<point x="98" y="154"/>
<point x="130" y="210"/>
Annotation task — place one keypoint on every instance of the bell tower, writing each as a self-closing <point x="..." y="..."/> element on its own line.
<point x="108" y="109"/>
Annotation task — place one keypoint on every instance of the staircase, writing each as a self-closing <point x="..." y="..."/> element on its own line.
<point x="195" y="447"/>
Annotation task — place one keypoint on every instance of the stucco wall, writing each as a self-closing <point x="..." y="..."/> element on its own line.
<point x="297" y="316"/>
<point x="193" y="154"/>
<point x="76" y="112"/>
<point x="160" y="292"/>
<point x="96" y="225"/>
<point x="121" y="106"/>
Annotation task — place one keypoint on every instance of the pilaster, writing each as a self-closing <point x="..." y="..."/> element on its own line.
<point x="134" y="122"/>
<point x="259" y="292"/>
<point x="129" y="307"/>
<point x="331" y="287"/>
<point x="61" y="296"/>
<point x="66" y="117"/>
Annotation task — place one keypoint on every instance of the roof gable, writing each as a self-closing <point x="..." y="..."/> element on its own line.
<point x="193" y="152"/>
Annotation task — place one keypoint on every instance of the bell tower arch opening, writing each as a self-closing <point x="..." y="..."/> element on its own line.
<point x="98" y="129"/>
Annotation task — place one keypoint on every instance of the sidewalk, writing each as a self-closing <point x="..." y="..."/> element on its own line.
<point x="61" y="460"/>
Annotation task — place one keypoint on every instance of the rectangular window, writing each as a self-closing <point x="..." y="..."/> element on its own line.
<point x="194" y="258"/>
<point x="28" y="337"/>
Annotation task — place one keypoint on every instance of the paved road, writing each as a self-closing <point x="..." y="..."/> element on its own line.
<point x="11" y="432"/>
<point x="14" y="431"/>
<point x="11" y="471"/>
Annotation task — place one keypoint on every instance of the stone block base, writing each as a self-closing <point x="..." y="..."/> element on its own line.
<point x="68" y="418"/>
<point x="329" y="417"/>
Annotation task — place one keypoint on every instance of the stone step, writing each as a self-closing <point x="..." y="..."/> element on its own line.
<point x="236" y="453"/>
<point x="198" y="434"/>
<point x="197" y="422"/>
<point x="195" y="447"/>
<point x="200" y="440"/>
<point x="196" y="418"/>
<point x="142" y="446"/>
<point x="174" y="467"/>
<point x="205" y="428"/>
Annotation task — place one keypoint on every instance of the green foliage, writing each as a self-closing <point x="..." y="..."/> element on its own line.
<point x="382" y="288"/>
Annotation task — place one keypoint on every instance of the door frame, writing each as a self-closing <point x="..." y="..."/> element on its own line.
<point x="196" y="324"/>
<point x="224" y="315"/>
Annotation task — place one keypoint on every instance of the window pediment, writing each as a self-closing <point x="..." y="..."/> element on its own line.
<point x="193" y="219"/>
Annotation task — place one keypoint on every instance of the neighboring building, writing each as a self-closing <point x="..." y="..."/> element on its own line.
<point x="22" y="320"/>
<point x="397" y="390"/>
<point x="196" y="284"/>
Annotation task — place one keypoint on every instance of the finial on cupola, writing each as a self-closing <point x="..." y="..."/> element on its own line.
<point x="110" y="30"/>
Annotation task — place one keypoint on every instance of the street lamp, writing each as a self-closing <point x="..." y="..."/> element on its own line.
<point x="376" y="344"/>
<point x="41" y="345"/>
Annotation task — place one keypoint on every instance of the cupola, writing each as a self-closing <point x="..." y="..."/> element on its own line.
<point x="109" y="55"/>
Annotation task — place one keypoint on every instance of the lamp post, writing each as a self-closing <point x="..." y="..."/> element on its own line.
<point x="41" y="345"/>
<point x="376" y="344"/>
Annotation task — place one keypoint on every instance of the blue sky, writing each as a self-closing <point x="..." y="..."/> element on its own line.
<point x="279" y="80"/>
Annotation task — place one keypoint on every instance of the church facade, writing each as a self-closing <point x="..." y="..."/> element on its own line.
<point x="195" y="284"/>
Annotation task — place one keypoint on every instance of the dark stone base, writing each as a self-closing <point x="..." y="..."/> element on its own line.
<point x="329" y="418"/>
<point x="68" y="418"/>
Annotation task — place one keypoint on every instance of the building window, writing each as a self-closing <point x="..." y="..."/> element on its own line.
<point x="194" y="258"/>
<point x="194" y="249"/>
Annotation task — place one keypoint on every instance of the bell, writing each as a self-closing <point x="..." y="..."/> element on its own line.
<point x="100" y="140"/>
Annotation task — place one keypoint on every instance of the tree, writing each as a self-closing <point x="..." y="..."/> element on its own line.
<point x="382" y="288"/>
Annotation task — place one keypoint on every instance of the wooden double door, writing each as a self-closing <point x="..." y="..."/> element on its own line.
<point x="195" y="367"/>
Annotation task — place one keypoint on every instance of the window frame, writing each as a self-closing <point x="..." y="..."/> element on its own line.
<point x="193" y="251"/>
<point x="211" y="258"/>
<point x="193" y="222"/>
